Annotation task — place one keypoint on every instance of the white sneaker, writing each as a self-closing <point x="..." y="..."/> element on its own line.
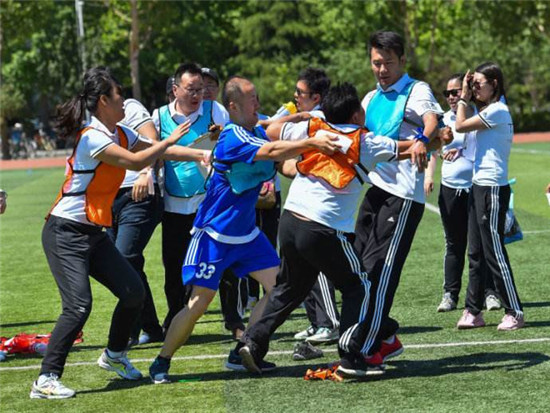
<point x="447" y="303"/>
<point x="308" y="332"/>
<point x="492" y="303"/>
<point x="324" y="335"/>
<point x="48" y="386"/>
<point x="120" y="365"/>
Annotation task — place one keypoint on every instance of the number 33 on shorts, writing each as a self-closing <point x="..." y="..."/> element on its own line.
<point x="205" y="270"/>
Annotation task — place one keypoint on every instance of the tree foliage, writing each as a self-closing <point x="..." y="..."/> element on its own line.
<point x="270" y="42"/>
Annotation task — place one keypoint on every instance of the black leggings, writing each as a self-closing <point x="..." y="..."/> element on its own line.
<point x="75" y="251"/>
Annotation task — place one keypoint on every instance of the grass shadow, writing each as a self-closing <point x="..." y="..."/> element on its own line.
<point x="467" y="363"/>
<point x="27" y="323"/>
<point x="537" y="304"/>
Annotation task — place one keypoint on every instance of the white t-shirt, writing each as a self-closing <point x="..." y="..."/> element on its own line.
<point x="457" y="174"/>
<point x="402" y="178"/>
<point x="493" y="146"/>
<point x="135" y="116"/>
<point x="220" y="116"/>
<point x="313" y="198"/>
<point x="91" y="144"/>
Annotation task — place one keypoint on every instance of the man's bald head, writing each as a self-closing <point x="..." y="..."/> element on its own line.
<point x="233" y="90"/>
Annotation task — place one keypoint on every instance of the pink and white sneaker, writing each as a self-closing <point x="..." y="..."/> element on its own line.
<point x="509" y="322"/>
<point x="468" y="320"/>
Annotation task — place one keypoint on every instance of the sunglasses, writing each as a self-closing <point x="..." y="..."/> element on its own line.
<point x="478" y="85"/>
<point x="452" y="92"/>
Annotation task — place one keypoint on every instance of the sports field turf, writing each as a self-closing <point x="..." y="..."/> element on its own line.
<point x="442" y="369"/>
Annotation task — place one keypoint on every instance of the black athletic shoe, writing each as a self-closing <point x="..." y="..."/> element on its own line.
<point x="356" y="366"/>
<point x="246" y="361"/>
<point x="306" y="351"/>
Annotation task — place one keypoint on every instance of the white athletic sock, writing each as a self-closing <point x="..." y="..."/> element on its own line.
<point x="389" y="340"/>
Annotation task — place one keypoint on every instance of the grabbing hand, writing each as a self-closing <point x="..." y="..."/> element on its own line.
<point x="325" y="143"/>
<point x="419" y="155"/>
<point x="450" y="155"/>
<point x="445" y="135"/>
<point x="180" y="130"/>
<point x="140" y="190"/>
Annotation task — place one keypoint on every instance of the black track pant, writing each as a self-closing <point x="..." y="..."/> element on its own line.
<point x="384" y="231"/>
<point x="321" y="306"/>
<point x="453" y="205"/>
<point x="74" y="252"/>
<point x="487" y="254"/>
<point x="308" y="248"/>
<point x="175" y="240"/>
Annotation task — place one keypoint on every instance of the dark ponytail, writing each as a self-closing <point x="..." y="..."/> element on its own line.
<point x="96" y="82"/>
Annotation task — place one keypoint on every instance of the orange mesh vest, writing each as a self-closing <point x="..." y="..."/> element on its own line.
<point x="103" y="187"/>
<point x="337" y="169"/>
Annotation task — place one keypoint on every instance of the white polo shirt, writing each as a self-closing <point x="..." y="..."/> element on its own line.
<point x="313" y="198"/>
<point x="90" y="145"/>
<point x="493" y="146"/>
<point x="135" y="116"/>
<point x="402" y="179"/>
<point x="457" y="174"/>
<point x="220" y="116"/>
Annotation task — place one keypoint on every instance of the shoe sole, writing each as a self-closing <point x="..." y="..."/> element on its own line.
<point x="313" y="340"/>
<point x="235" y="367"/>
<point x="463" y="327"/>
<point x="248" y="361"/>
<point x="300" y="357"/>
<point x="163" y="381"/>
<point x="108" y="367"/>
<point x="375" y="371"/>
<point x="445" y="310"/>
<point x="37" y="395"/>
<point x="395" y="353"/>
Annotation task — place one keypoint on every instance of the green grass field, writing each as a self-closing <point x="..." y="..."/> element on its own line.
<point x="442" y="369"/>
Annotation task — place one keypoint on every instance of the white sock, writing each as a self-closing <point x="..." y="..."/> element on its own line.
<point x="389" y="340"/>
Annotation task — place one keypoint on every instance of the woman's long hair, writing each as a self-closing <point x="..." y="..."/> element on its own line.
<point x="492" y="73"/>
<point x="96" y="82"/>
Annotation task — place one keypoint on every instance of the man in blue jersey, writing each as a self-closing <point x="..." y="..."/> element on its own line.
<point x="225" y="235"/>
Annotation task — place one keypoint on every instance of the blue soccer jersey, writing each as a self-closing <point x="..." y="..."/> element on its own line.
<point x="226" y="216"/>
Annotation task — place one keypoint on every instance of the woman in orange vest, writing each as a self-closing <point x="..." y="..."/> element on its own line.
<point x="73" y="238"/>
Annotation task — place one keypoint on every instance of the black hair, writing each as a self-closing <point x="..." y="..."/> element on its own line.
<point x="191" y="68"/>
<point x="97" y="81"/>
<point x="386" y="40"/>
<point x="340" y="103"/>
<point x="456" y="76"/>
<point x="493" y="72"/>
<point x="316" y="79"/>
<point x="232" y="90"/>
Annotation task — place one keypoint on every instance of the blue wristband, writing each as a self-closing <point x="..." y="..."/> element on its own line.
<point x="421" y="137"/>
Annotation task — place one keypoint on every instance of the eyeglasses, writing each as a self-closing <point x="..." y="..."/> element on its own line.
<point x="301" y="92"/>
<point x="451" y="92"/>
<point x="190" y="91"/>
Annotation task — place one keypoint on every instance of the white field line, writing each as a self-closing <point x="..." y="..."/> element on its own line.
<point x="532" y="151"/>
<point x="433" y="208"/>
<point x="288" y="352"/>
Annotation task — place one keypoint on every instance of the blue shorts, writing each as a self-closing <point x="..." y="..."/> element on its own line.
<point x="207" y="259"/>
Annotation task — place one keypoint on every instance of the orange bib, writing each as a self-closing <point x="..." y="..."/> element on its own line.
<point x="338" y="169"/>
<point x="103" y="187"/>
